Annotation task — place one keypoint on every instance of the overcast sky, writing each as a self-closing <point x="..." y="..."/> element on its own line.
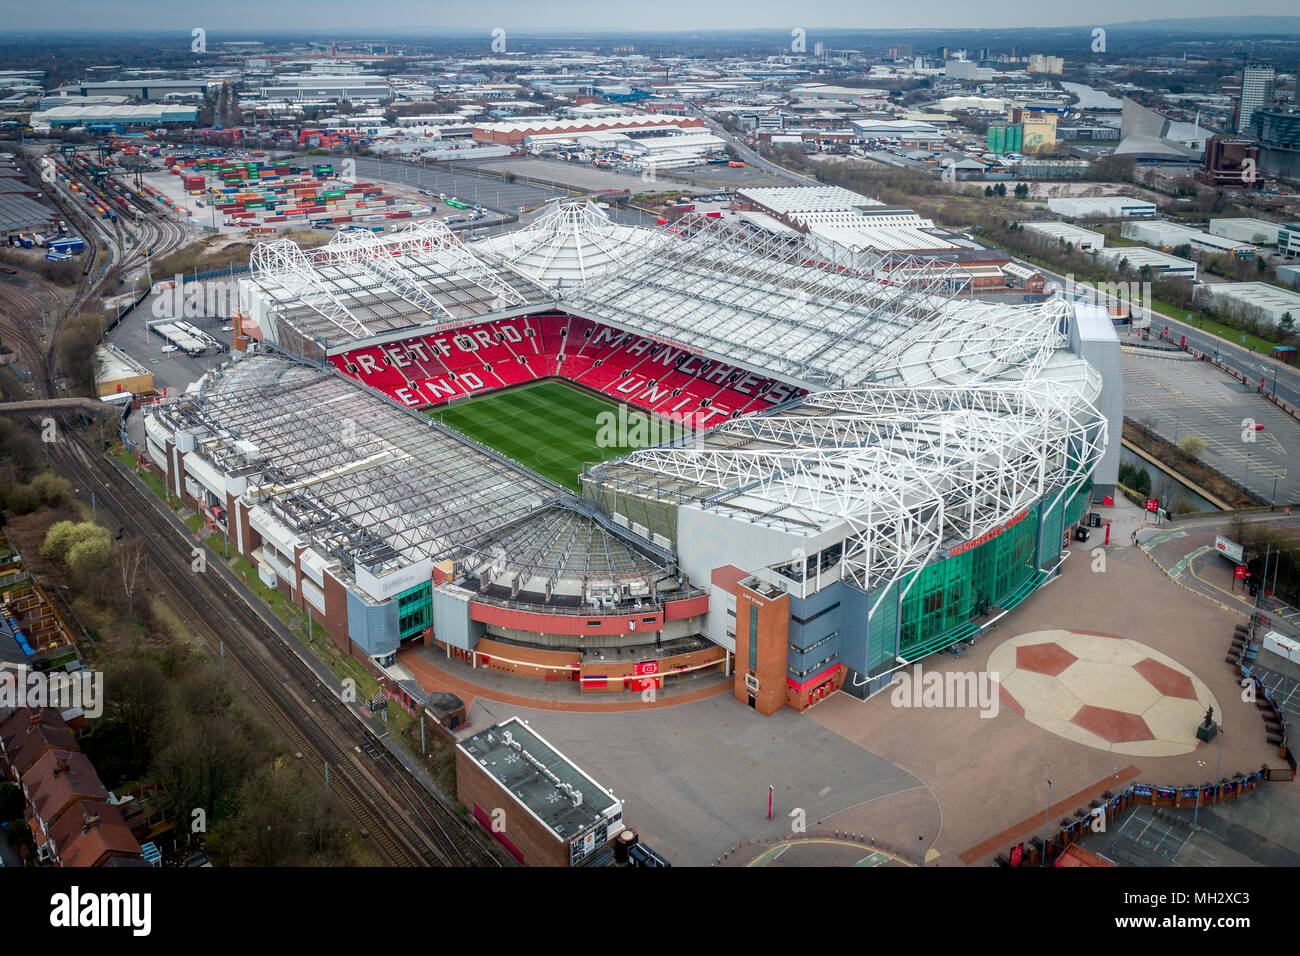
<point x="602" y="15"/>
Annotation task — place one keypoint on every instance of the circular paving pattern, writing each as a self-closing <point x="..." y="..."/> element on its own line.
<point x="1108" y="692"/>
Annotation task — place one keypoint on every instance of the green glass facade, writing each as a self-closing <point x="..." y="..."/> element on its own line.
<point x="949" y="593"/>
<point x="415" y="609"/>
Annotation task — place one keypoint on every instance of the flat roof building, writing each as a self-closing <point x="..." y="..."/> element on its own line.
<point x="1269" y="301"/>
<point x="327" y="89"/>
<point x="1101" y="207"/>
<point x="539" y="804"/>
<point x="1135" y="257"/>
<point x="514" y="132"/>
<point x="1259" y="232"/>
<point x="20" y="214"/>
<point x="151" y="115"/>
<point x="782" y="201"/>
<point x="117" y="372"/>
<point x="152" y="89"/>
<point x="1076" y="236"/>
<point x="1169" y="235"/>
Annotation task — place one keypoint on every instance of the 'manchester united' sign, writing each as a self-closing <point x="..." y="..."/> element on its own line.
<point x="988" y="535"/>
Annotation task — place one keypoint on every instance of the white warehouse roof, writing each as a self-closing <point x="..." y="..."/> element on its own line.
<point x="1272" y="301"/>
<point x="1074" y="235"/>
<point x="1139" y="256"/>
<point x="1107" y="206"/>
<point x="784" y="200"/>
<point x="1246" y="230"/>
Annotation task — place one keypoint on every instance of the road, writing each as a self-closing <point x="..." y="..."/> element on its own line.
<point x="752" y="157"/>
<point x="1185" y="550"/>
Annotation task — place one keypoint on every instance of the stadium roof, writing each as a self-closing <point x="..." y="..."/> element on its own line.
<point x="765" y="304"/>
<point x="932" y="419"/>
<point x="372" y="484"/>
<point x="903" y="471"/>
<point x="360" y="285"/>
<point x="568" y="245"/>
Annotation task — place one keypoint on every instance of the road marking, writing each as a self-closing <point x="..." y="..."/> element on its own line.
<point x="1163" y="538"/>
<point x="1187" y="559"/>
<point x="1235" y="597"/>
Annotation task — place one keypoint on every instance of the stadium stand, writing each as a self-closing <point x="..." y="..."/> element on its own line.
<point x="430" y="369"/>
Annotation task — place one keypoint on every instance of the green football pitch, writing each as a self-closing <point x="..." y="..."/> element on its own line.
<point x="554" y="428"/>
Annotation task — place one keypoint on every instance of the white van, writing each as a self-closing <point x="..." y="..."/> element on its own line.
<point x="169" y="349"/>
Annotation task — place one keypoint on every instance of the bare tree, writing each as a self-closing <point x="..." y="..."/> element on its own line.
<point x="129" y="558"/>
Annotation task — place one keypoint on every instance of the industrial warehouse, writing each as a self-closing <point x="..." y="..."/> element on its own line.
<point x="873" y="470"/>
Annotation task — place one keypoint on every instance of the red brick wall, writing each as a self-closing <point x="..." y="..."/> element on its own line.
<point x="475" y="787"/>
<point x="817" y="690"/>
<point x="616" y="673"/>
<point x="502" y="657"/>
<point x="336" y="613"/>
<point x="773" y="648"/>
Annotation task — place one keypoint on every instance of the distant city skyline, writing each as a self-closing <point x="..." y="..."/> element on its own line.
<point x="600" y="15"/>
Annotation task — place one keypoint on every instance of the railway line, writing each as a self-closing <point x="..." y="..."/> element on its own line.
<point x="409" y="825"/>
<point x="140" y="228"/>
<point x="31" y="310"/>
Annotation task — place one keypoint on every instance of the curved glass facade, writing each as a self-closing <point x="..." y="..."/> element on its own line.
<point x="949" y="593"/>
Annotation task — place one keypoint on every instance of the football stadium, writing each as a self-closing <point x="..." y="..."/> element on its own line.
<point x="696" y="449"/>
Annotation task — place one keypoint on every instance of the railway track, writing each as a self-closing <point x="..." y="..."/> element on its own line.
<point x="24" y="298"/>
<point x="409" y="825"/>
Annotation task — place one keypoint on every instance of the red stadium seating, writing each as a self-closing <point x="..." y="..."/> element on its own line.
<point x="430" y="369"/>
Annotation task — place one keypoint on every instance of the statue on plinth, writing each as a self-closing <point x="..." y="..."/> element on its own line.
<point x="1209" y="729"/>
